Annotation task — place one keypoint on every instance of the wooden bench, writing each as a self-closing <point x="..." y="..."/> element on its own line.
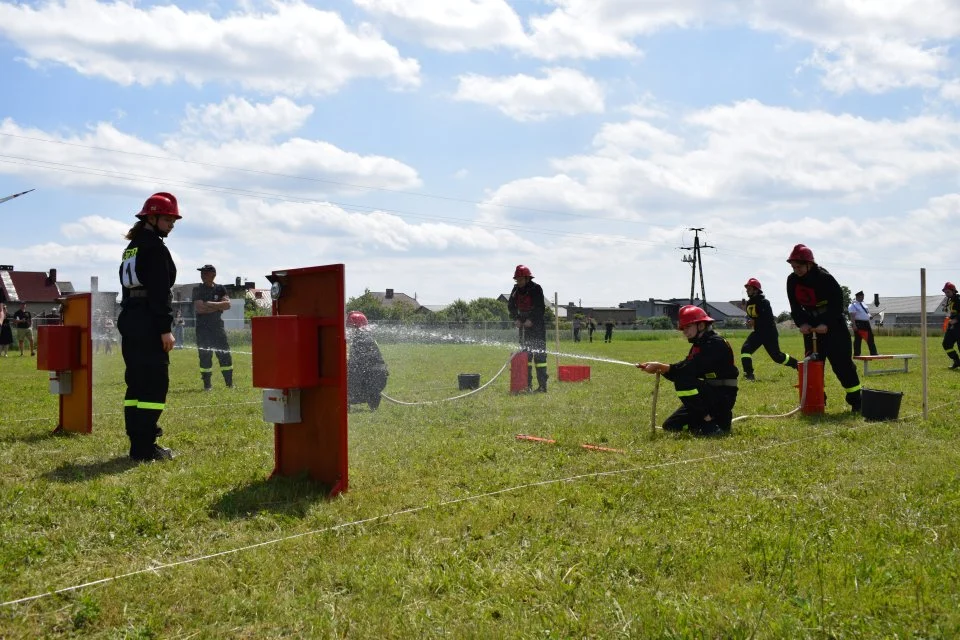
<point x="906" y="357"/>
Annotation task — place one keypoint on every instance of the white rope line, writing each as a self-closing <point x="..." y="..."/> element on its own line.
<point x="462" y="395"/>
<point x="445" y="503"/>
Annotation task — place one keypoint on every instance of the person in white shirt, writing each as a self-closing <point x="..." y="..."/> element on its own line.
<point x="862" y="329"/>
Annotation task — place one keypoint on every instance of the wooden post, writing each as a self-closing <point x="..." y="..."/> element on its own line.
<point x="653" y="410"/>
<point x="923" y="338"/>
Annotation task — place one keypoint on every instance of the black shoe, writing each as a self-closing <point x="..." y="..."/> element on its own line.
<point x="208" y="388"/>
<point x="955" y="365"/>
<point x="749" y="376"/>
<point x="159" y="453"/>
<point x="542" y="389"/>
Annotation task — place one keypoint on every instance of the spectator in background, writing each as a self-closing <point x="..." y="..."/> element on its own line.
<point x="6" y="333"/>
<point x="576" y="328"/>
<point x="862" y="329"/>
<point x="178" y="325"/>
<point x="608" y="334"/>
<point x="591" y="327"/>
<point x="951" y="331"/>
<point x="210" y="300"/>
<point x="23" y="323"/>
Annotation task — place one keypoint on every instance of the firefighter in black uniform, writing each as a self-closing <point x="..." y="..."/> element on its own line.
<point x="147" y="274"/>
<point x="366" y="370"/>
<point x="210" y="300"/>
<point x="527" y="310"/>
<point x="816" y="306"/>
<point x="706" y="381"/>
<point x="764" y="332"/>
<point x="951" y="336"/>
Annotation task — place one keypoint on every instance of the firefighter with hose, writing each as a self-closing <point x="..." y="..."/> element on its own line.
<point x="764" y="333"/>
<point x="705" y="381"/>
<point x="527" y="310"/>
<point x="366" y="370"/>
<point x="951" y="332"/>
<point x="816" y="306"/>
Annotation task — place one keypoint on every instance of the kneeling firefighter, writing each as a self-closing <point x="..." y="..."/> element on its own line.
<point x="705" y="381"/>
<point x="366" y="370"/>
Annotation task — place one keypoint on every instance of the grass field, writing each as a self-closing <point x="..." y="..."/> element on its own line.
<point x="792" y="527"/>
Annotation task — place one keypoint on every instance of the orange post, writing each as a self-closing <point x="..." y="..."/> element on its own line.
<point x="65" y="351"/>
<point x="300" y="360"/>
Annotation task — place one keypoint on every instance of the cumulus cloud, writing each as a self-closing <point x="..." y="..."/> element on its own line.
<point x="560" y="91"/>
<point x="746" y="156"/>
<point x="250" y="161"/>
<point x="292" y="49"/>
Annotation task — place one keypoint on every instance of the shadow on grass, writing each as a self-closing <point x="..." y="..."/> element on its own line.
<point x="286" y="496"/>
<point x="72" y="472"/>
<point x="37" y="436"/>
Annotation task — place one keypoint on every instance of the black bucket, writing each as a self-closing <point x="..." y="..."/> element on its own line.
<point x="469" y="380"/>
<point x="880" y="405"/>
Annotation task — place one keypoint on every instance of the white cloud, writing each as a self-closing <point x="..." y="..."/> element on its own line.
<point x="451" y="25"/>
<point x="877" y="66"/>
<point x="293" y="49"/>
<point x="95" y="227"/>
<point x="237" y="118"/>
<point x="745" y="157"/>
<point x="85" y="160"/>
<point x="560" y="92"/>
<point x="951" y="91"/>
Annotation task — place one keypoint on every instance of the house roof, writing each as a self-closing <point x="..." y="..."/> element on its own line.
<point x="29" y="286"/>
<point x="907" y="304"/>
<point x="396" y="298"/>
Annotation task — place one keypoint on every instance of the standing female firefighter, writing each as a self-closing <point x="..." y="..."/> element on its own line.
<point x="527" y="309"/>
<point x="816" y="306"/>
<point x="764" y="332"/>
<point x="147" y="274"/>
<point x="706" y="380"/>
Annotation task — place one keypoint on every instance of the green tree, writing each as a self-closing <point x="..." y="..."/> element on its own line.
<point x="488" y="309"/>
<point x="847" y="297"/>
<point x="368" y="304"/>
<point x="784" y="316"/>
<point x="252" y="309"/>
<point x="658" y="322"/>
<point x="458" y="312"/>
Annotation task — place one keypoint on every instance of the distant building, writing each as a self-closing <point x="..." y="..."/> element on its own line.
<point x="37" y="288"/>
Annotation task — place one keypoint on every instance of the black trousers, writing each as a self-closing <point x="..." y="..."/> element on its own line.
<point x="834" y="346"/>
<point x="214" y="341"/>
<point x="534" y="342"/>
<point x="770" y="342"/>
<point x="861" y="327"/>
<point x="951" y="341"/>
<point x="366" y="386"/>
<point x="718" y="403"/>
<point x="147" y="377"/>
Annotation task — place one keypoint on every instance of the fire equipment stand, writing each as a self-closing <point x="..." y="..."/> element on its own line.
<point x="65" y="350"/>
<point x="301" y="348"/>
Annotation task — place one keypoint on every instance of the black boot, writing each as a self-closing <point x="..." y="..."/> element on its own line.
<point x="228" y="378"/>
<point x="207" y="384"/>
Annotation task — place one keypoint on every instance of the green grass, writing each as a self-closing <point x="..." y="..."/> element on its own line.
<point x="792" y="527"/>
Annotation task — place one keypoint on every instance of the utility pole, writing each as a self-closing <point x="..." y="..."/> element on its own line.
<point x="695" y="260"/>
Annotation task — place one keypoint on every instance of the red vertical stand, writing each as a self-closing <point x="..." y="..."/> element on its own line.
<point x="814" y="401"/>
<point x="519" y="368"/>
<point x="65" y="351"/>
<point x="303" y="346"/>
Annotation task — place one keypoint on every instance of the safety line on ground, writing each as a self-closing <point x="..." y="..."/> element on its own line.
<point x="445" y="503"/>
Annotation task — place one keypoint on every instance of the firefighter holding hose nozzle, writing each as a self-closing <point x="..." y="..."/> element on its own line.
<point x="706" y="380"/>
<point x="527" y="310"/>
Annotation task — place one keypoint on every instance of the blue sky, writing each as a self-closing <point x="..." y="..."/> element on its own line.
<point x="432" y="146"/>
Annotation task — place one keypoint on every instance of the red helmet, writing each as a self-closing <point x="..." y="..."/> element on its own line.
<point x="356" y="319"/>
<point x="690" y="314"/>
<point x="160" y="204"/>
<point x="801" y="253"/>
<point x="753" y="282"/>
<point x="522" y="271"/>
<point x="949" y="285"/>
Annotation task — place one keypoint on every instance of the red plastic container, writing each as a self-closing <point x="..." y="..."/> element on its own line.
<point x="573" y="373"/>
<point x="815" y="401"/>
<point x="58" y="347"/>
<point x="518" y="372"/>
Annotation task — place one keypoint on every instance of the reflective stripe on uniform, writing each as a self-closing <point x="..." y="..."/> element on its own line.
<point x="158" y="406"/>
<point x="129" y="403"/>
<point x="208" y="370"/>
<point x="746" y="355"/>
<point x="686" y="393"/>
<point x="854" y="388"/>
